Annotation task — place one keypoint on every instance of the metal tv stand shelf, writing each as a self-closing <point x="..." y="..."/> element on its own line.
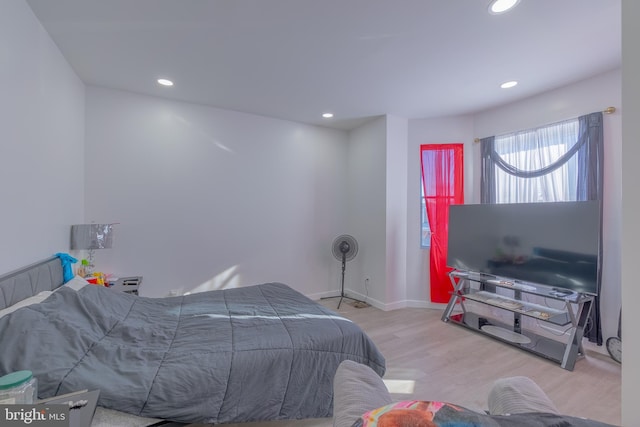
<point x="483" y="289"/>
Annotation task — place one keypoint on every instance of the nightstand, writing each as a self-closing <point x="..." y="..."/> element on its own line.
<point x="129" y="285"/>
<point x="82" y="406"/>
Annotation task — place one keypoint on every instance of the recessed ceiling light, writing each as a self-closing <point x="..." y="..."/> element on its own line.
<point x="501" y="6"/>
<point x="327" y="115"/>
<point x="165" y="82"/>
<point x="507" y="85"/>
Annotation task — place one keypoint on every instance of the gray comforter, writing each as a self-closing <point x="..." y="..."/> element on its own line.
<point x="262" y="352"/>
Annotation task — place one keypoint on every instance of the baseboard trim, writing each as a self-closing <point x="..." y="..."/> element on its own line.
<point x="379" y="304"/>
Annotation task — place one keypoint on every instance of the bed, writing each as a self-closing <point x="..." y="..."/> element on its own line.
<point x="257" y="353"/>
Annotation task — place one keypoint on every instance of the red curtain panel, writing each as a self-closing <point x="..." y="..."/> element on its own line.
<point x="443" y="182"/>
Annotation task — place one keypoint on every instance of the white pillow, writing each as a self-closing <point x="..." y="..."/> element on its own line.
<point x="76" y="283"/>
<point x="26" y="302"/>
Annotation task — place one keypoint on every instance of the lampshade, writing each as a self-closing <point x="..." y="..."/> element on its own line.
<point x="91" y="236"/>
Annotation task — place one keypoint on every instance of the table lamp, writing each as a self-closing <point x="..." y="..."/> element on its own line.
<point x="91" y="237"/>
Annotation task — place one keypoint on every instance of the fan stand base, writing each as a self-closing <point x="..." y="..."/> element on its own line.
<point x="343" y="297"/>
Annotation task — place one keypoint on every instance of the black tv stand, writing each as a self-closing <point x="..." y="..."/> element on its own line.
<point x="510" y="296"/>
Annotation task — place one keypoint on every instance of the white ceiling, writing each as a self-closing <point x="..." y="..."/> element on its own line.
<point x="295" y="59"/>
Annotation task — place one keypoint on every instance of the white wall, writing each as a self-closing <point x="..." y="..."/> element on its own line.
<point x="396" y="207"/>
<point x="378" y="212"/>
<point x="366" y="184"/>
<point x="584" y="97"/>
<point x="41" y="141"/>
<point x="630" y="210"/>
<point x="213" y="198"/>
<point x="430" y="131"/>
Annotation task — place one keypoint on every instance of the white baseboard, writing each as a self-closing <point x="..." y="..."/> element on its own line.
<point x="379" y="304"/>
<point x="320" y="295"/>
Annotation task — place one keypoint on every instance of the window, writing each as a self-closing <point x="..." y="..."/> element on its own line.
<point x="442" y="183"/>
<point x="559" y="162"/>
<point x="537" y="150"/>
<point x="425" y="230"/>
<point x="428" y="155"/>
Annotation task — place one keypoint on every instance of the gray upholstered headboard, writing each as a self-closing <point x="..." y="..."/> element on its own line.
<point x="27" y="281"/>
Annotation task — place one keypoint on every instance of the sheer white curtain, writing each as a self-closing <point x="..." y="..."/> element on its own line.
<point x="535" y="150"/>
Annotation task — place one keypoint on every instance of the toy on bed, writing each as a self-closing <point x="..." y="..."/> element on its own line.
<point x="262" y="352"/>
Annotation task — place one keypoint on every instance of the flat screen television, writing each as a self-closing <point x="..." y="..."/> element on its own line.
<point x="554" y="244"/>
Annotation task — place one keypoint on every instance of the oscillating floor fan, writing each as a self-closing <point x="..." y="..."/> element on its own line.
<point x="344" y="248"/>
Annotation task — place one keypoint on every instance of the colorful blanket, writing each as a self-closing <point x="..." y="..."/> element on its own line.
<point x="417" y="413"/>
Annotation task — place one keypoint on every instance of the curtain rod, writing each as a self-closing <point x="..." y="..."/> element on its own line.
<point x="608" y="110"/>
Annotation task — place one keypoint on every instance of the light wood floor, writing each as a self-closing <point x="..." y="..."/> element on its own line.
<point x="453" y="364"/>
